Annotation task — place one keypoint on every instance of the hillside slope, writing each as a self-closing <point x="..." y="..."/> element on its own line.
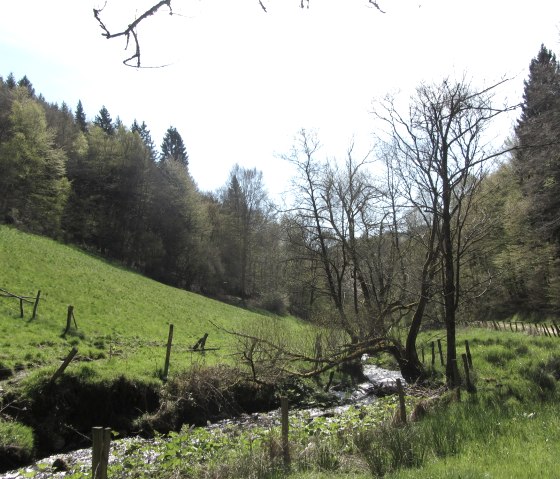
<point x="122" y="317"/>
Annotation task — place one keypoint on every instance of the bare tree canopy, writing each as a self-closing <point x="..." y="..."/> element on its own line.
<point x="130" y="31"/>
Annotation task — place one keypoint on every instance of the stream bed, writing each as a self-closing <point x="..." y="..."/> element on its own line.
<point x="380" y="382"/>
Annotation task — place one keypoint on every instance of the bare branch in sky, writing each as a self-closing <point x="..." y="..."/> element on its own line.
<point x="130" y="31"/>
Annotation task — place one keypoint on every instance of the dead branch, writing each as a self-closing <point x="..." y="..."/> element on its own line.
<point x="130" y="30"/>
<point x="280" y="357"/>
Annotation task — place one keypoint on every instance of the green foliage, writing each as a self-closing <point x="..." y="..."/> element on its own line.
<point x="33" y="185"/>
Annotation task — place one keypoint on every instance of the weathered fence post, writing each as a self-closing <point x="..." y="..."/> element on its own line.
<point x="285" y="431"/>
<point x="69" y="316"/>
<point x="468" y="351"/>
<point x="100" y="452"/>
<point x="168" y="353"/>
<point x="440" y="352"/>
<point x="36" y="304"/>
<point x="64" y="364"/>
<point x="470" y="386"/>
<point x="21" y="307"/>
<point x="402" y="404"/>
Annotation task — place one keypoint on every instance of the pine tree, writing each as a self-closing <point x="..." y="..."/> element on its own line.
<point x="81" y="117"/>
<point x="146" y="136"/>
<point x="537" y="162"/>
<point x="104" y="121"/>
<point x="173" y="147"/>
<point x="11" y="81"/>
<point x="24" y="82"/>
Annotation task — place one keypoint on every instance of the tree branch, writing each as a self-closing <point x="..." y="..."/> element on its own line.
<point x="131" y="29"/>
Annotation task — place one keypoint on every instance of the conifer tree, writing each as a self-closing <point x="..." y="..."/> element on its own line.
<point x="24" y="82"/>
<point x="537" y="162"/>
<point x="81" y="117"/>
<point x="11" y="81"/>
<point x="104" y="121"/>
<point x="174" y="148"/>
<point x="146" y="136"/>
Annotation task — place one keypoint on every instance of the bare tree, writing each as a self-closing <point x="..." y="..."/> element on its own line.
<point x="441" y="156"/>
<point x="349" y="225"/>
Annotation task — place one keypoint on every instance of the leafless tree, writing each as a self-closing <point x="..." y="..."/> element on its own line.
<point x="441" y="156"/>
<point x="348" y="223"/>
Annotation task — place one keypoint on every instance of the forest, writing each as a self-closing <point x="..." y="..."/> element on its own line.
<point x="437" y="224"/>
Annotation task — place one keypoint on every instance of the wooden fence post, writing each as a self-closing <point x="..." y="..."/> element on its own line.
<point x="285" y="431"/>
<point x="440" y="352"/>
<point x="36" y="304"/>
<point x="100" y="452"/>
<point x="64" y="364"/>
<point x="402" y="404"/>
<point x="470" y="386"/>
<point x="168" y="353"/>
<point x="69" y="315"/>
<point x="468" y="351"/>
<point x="21" y="307"/>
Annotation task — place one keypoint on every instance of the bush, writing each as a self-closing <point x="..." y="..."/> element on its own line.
<point x="273" y="303"/>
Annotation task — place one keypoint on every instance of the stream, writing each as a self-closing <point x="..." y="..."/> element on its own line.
<point x="380" y="382"/>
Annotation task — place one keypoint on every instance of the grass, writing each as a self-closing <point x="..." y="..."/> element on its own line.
<point x="510" y="428"/>
<point x="123" y="318"/>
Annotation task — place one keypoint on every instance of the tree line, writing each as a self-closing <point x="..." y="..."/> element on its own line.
<point x="435" y="224"/>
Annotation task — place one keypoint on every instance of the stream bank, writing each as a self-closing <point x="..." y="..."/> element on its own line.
<point x="196" y="408"/>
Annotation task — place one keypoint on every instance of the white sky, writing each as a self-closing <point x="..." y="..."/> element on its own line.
<point x="241" y="83"/>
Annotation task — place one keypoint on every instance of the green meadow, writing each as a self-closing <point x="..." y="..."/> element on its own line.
<point x="122" y="317"/>
<point x="509" y="428"/>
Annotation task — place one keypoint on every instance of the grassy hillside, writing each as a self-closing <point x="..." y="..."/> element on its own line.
<point x="122" y="317"/>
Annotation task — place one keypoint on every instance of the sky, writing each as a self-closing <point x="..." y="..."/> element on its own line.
<point x="239" y="83"/>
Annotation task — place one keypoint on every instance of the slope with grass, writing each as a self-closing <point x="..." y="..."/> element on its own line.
<point x="122" y="329"/>
<point x="122" y="317"/>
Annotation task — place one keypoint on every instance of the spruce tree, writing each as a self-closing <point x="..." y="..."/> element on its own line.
<point x="146" y="136"/>
<point x="104" y="121"/>
<point x="81" y="117"/>
<point x="11" y="81"/>
<point x="24" y="82"/>
<point x="173" y="147"/>
<point x="537" y="161"/>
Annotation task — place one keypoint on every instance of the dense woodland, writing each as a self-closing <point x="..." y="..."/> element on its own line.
<point x="447" y="227"/>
